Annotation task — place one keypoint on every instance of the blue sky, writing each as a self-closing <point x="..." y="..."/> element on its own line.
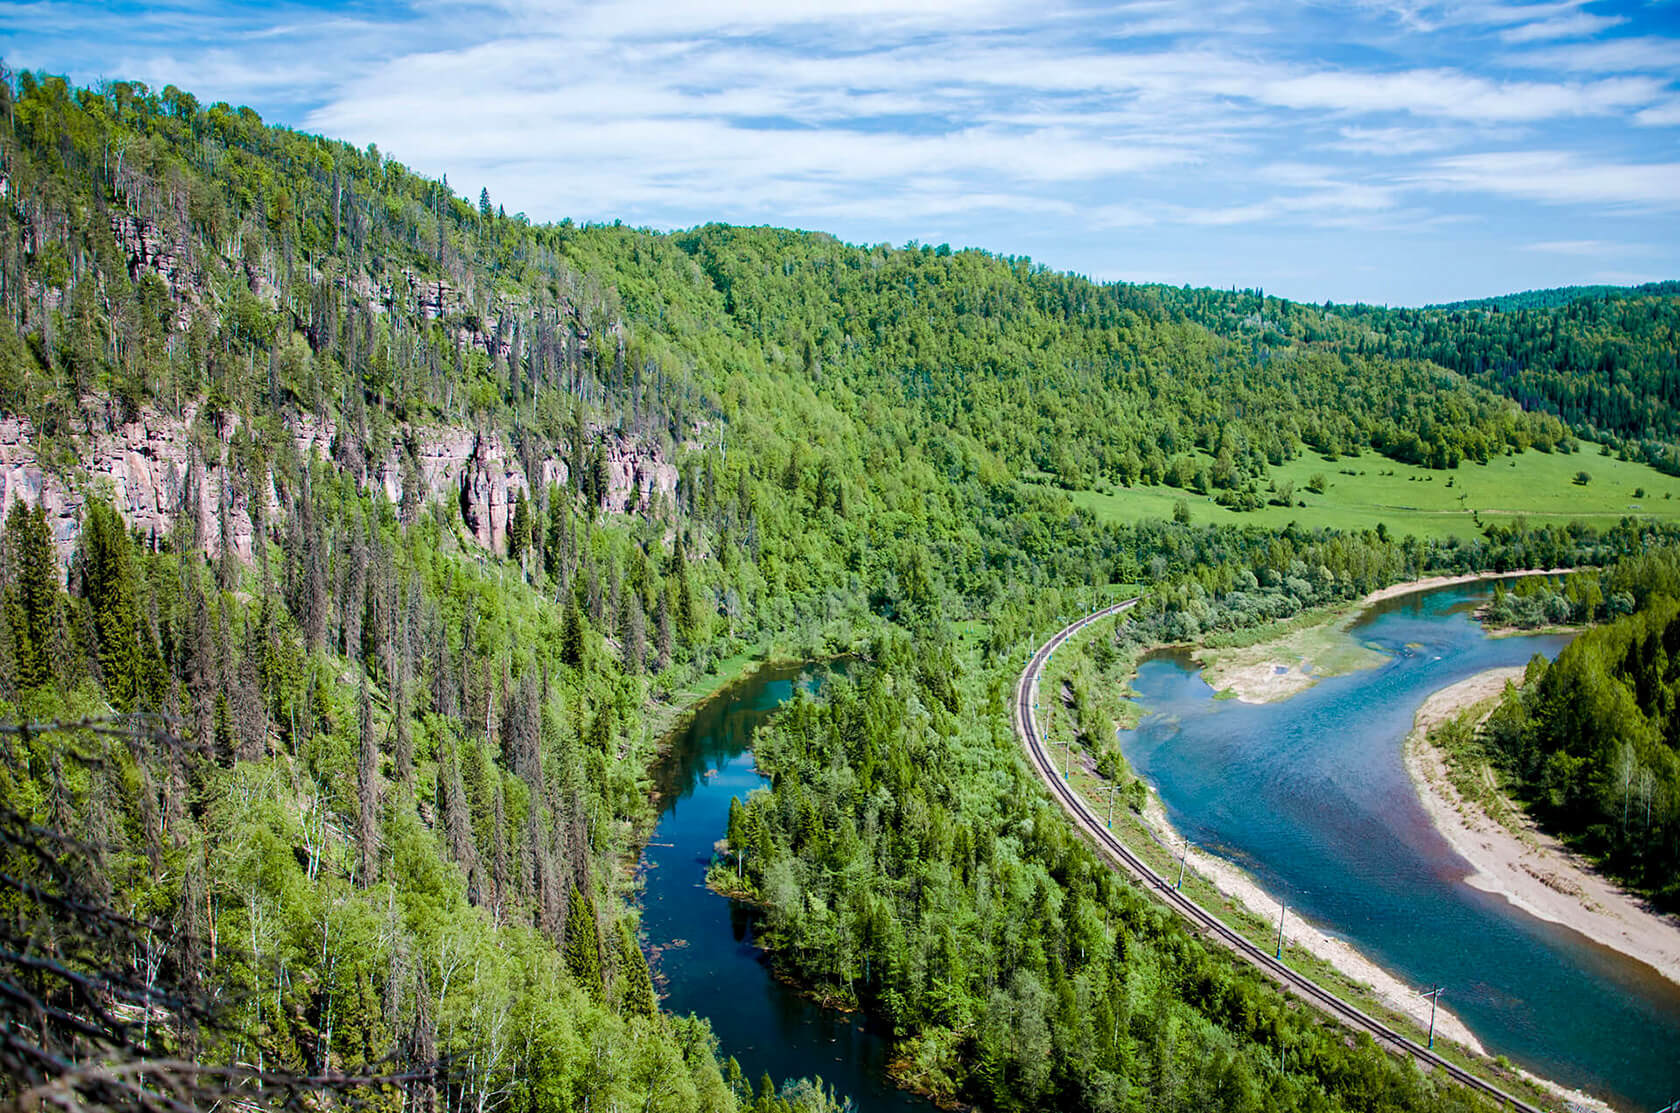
<point x="1378" y="150"/>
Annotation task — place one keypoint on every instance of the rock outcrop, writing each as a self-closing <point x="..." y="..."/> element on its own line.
<point x="149" y="250"/>
<point x="147" y="468"/>
<point x="156" y="478"/>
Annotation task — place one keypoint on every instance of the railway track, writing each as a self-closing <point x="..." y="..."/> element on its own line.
<point x="1086" y="820"/>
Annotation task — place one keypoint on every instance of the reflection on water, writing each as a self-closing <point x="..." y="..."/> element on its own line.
<point x="1310" y="795"/>
<point x="703" y="943"/>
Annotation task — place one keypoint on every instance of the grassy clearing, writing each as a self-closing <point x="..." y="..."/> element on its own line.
<point x="1407" y="499"/>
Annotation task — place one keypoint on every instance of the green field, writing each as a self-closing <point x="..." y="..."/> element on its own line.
<point x="1408" y="499"/>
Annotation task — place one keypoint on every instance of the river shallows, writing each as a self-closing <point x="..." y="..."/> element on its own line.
<point x="1310" y="796"/>
<point x="702" y="943"/>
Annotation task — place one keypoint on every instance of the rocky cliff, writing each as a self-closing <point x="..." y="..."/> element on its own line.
<point x="161" y="477"/>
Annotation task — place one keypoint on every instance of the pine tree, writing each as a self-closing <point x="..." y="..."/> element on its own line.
<point x="635" y="995"/>
<point x="662" y="629"/>
<point x="107" y="573"/>
<point x="635" y="633"/>
<point x="555" y="547"/>
<point x="682" y="595"/>
<point x="583" y="946"/>
<point x="32" y="594"/>
<point x="367" y="795"/>
<point x="519" y="530"/>
<point x="571" y="636"/>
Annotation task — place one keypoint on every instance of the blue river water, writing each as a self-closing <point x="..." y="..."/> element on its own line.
<point x="702" y="944"/>
<point x="1310" y="795"/>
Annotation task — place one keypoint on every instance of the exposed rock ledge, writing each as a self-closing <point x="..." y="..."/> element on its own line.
<point x="151" y="470"/>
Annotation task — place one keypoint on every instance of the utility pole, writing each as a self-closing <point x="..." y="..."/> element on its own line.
<point x="1183" y="853"/>
<point x="1283" y="910"/>
<point x="1111" y="787"/>
<point x="1434" y="996"/>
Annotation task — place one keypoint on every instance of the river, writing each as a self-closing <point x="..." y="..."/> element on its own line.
<point x="1310" y="795"/>
<point x="702" y="943"/>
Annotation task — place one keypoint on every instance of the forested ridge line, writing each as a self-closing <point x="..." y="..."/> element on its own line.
<point x="414" y="692"/>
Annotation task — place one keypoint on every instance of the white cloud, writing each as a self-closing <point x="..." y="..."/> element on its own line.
<point x="1397" y="140"/>
<point x="1634" y="54"/>
<point x="1664" y="115"/>
<point x="1458" y="96"/>
<point x="1582" y="248"/>
<point x="1557" y="178"/>
<point x="1576" y="25"/>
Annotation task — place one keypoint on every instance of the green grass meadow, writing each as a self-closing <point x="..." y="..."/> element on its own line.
<point x="1408" y="499"/>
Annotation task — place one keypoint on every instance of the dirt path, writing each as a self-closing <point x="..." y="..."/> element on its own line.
<point x="1523" y="864"/>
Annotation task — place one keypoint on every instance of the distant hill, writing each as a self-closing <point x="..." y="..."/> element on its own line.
<point x="1562" y="295"/>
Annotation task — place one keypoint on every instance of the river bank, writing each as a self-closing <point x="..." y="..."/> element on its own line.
<point x="1282" y="666"/>
<point x="1319" y="647"/>
<point x="1515" y="860"/>
<point x="1299" y="934"/>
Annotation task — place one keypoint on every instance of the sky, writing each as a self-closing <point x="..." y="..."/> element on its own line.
<point x="1385" y="151"/>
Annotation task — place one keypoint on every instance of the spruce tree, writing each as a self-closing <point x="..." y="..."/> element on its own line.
<point x="519" y="530"/>
<point x="367" y="794"/>
<point x="571" y="635"/>
<point x="583" y="944"/>
<point x="107" y="571"/>
<point x="32" y="595"/>
<point x="636" y="996"/>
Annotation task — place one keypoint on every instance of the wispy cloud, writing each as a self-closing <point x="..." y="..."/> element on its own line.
<point x="1558" y="178"/>
<point x="1085" y="133"/>
<point x="1575" y="25"/>
<point x="1593" y="249"/>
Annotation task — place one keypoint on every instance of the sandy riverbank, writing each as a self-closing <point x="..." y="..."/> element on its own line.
<point x="1523" y="864"/>
<point x="1264" y="676"/>
<point x="1297" y="660"/>
<point x="1302" y="935"/>
<point x="1407" y="588"/>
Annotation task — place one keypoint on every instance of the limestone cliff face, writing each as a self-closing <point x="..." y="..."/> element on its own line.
<point x="149" y="470"/>
<point x="156" y="475"/>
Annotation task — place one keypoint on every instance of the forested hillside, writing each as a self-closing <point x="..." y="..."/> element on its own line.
<point x="1591" y="742"/>
<point x="404" y="520"/>
<point x="1606" y="360"/>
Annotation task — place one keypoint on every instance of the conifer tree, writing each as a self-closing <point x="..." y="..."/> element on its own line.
<point x="367" y="795"/>
<point x="32" y="595"/>
<point x="519" y="530"/>
<point x="571" y="636"/>
<point x="108" y="585"/>
<point x="636" y="996"/>
<point x="583" y="945"/>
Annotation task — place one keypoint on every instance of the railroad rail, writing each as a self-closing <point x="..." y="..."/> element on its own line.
<point x="1086" y="820"/>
